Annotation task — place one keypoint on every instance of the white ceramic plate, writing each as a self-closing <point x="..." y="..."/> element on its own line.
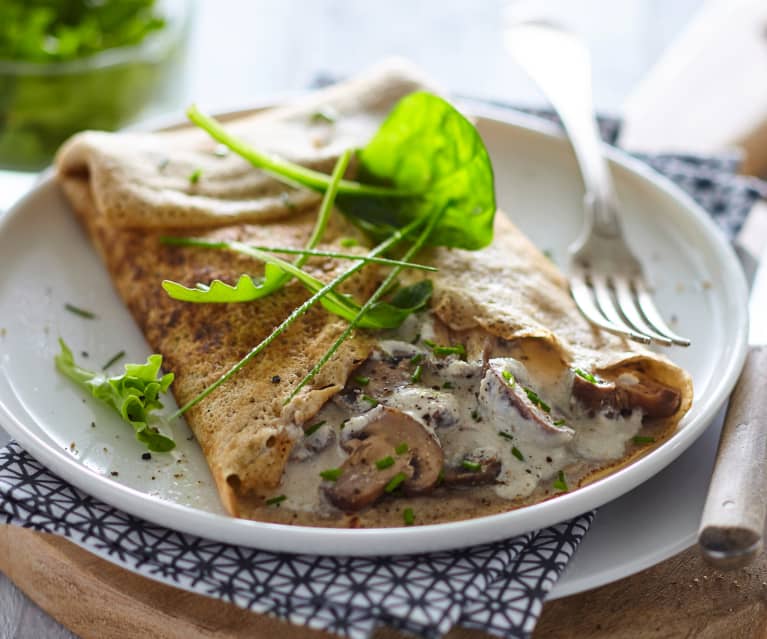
<point x="45" y="262"/>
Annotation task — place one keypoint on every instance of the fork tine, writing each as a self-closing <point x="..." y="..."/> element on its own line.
<point x="584" y="299"/>
<point x="607" y="305"/>
<point x="628" y="306"/>
<point x="653" y="317"/>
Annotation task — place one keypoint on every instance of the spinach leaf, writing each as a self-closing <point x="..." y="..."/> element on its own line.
<point x="134" y="394"/>
<point x="425" y="146"/>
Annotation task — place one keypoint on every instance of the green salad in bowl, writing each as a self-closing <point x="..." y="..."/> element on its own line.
<point x="68" y="65"/>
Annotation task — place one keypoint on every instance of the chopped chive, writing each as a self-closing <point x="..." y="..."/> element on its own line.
<point x="506" y="435"/>
<point x="587" y="376"/>
<point x="113" y="360"/>
<point x="517" y="453"/>
<point x="326" y="116"/>
<point x="362" y="380"/>
<point x="537" y="401"/>
<point x="194" y="176"/>
<point x="408" y="516"/>
<point x="416" y="376"/>
<point x="560" y="422"/>
<point x="314" y="428"/>
<point x="80" y="311"/>
<point x="394" y="482"/>
<point x="641" y="439"/>
<point x="560" y="483"/>
<point x="416" y="339"/>
<point x="508" y="377"/>
<point x="343" y="424"/>
<point x="442" y="351"/>
<point x="348" y="242"/>
<point x="385" y="462"/>
<point x="471" y="465"/>
<point x="275" y="501"/>
<point x="402" y="448"/>
<point x="416" y="359"/>
<point x="447" y="385"/>
<point x="331" y="474"/>
<point x="370" y="400"/>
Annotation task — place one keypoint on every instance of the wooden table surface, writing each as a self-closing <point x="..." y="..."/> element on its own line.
<point x="245" y="49"/>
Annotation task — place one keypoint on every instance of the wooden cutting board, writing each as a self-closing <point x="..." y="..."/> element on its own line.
<point x="681" y="597"/>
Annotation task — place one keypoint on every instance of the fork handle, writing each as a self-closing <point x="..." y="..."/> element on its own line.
<point x="732" y="525"/>
<point x="558" y="62"/>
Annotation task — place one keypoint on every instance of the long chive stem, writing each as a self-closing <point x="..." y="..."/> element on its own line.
<point x="298" y="312"/>
<point x="203" y="243"/>
<point x="282" y="169"/>
<point x="414" y="248"/>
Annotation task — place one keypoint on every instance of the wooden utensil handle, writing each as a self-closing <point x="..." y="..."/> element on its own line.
<point x="733" y="520"/>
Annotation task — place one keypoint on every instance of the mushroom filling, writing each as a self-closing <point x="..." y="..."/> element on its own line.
<point x="418" y="418"/>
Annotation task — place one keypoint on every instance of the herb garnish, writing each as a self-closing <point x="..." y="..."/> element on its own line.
<point x="560" y="422"/>
<point x="348" y="242"/>
<point x="517" y="453"/>
<point x="587" y="376"/>
<point x="326" y="115"/>
<point x="80" y="311"/>
<point x="641" y="439"/>
<point x="537" y="401"/>
<point x="362" y="380"/>
<point x="134" y="394"/>
<point x="506" y="435"/>
<point x="314" y="428"/>
<point x="332" y="474"/>
<point x="385" y="462"/>
<point x="194" y="176"/>
<point x="113" y="360"/>
<point x="508" y="377"/>
<point x="284" y="170"/>
<point x="448" y="385"/>
<point x="425" y="170"/>
<point x="442" y="351"/>
<point x="395" y="482"/>
<point x="370" y="400"/>
<point x="471" y="465"/>
<point x="416" y="376"/>
<point x="286" y="323"/>
<point x="401" y="448"/>
<point x="276" y="501"/>
<point x="276" y="275"/>
<point x="560" y="483"/>
<point x="408" y="516"/>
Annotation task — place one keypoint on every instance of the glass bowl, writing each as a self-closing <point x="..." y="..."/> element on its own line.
<point x="42" y="104"/>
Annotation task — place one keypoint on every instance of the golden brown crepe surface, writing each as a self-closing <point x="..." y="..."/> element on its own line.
<point x="128" y="191"/>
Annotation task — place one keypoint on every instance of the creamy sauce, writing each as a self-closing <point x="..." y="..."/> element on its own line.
<point x="500" y="410"/>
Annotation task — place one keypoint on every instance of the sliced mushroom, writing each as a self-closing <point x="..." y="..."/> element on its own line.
<point x="531" y="417"/>
<point x="488" y="471"/>
<point x="363" y="481"/>
<point x="626" y="393"/>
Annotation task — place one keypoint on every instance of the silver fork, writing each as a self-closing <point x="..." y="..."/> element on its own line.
<point x="606" y="279"/>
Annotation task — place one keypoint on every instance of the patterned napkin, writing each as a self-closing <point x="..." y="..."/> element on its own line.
<point x="498" y="588"/>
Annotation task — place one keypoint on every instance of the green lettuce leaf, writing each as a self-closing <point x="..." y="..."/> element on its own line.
<point x="134" y="394"/>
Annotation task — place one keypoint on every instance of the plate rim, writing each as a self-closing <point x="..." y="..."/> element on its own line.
<point x="358" y="542"/>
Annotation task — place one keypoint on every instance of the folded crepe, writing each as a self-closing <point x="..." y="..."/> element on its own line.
<point x="537" y="386"/>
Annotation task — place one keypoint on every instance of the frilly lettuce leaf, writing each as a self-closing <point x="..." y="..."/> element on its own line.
<point x="134" y="394"/>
